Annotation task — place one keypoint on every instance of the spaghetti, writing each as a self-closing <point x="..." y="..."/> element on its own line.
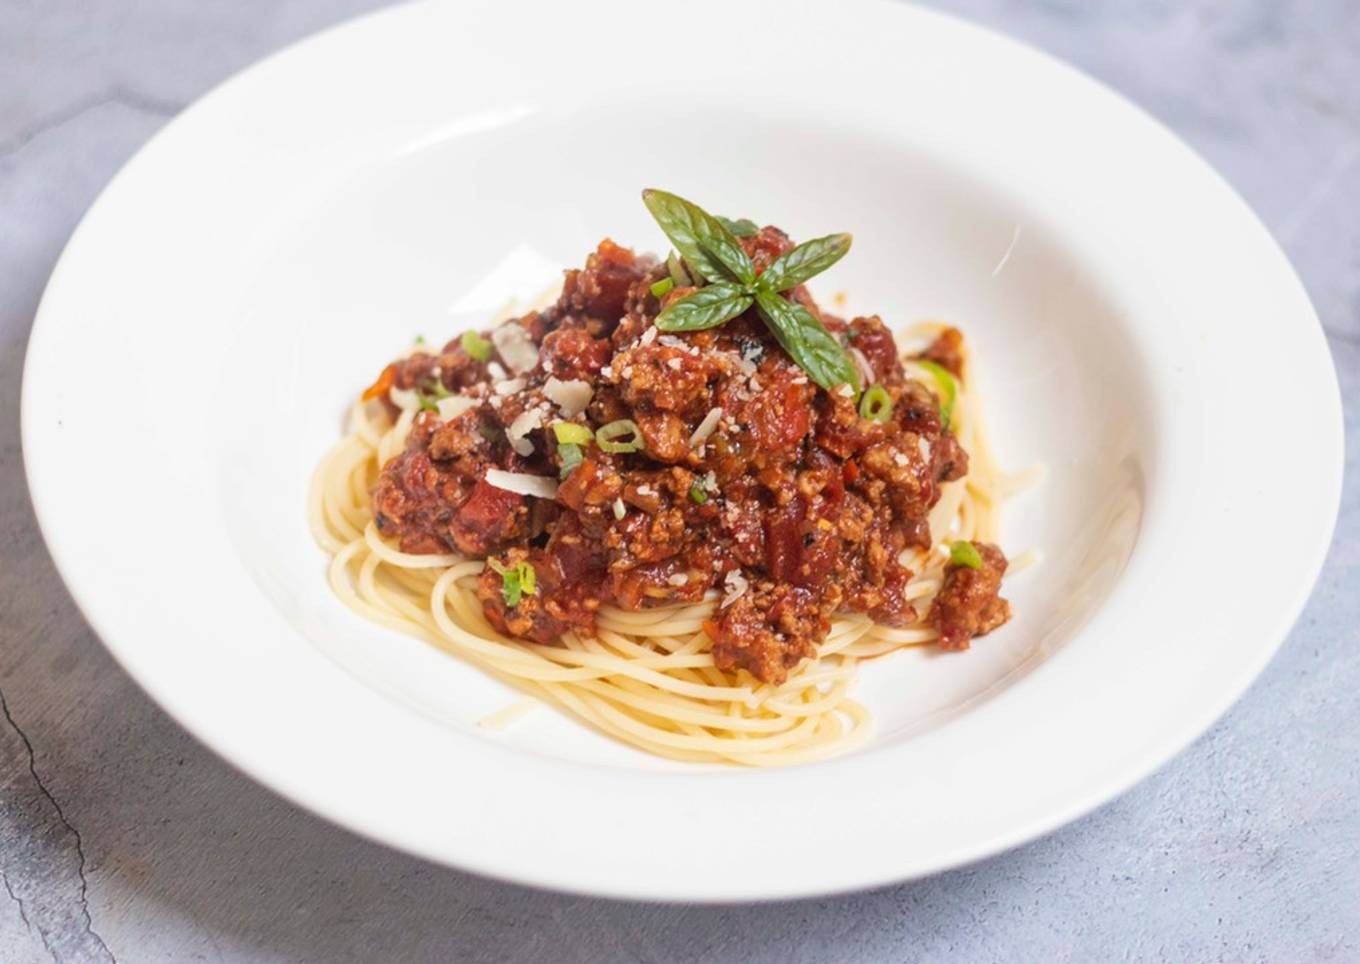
<point x="648" y="677"/>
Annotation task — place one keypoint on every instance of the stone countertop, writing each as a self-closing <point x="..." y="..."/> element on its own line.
<point x="121" y="837"/>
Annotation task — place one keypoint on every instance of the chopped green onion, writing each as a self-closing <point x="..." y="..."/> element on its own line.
<point x="605" y="436"/>
<point x="571" y="457"/>
<point x="516" y="582"/>
<point x="678" y="273"/>
<point x="426" y="402"/>
<point x="528" y="579"/>
<point x="570" y="432"/>
<point x="949" y="390"/>
<point x="963" y="553"/>
<point x="662" y="287"/>
<point x="477" y="347"/>
<point x="876" y="404"/>
<point x="697" y="494"/>
<point x="420" y="339"/>
<point x="437" y="388"/>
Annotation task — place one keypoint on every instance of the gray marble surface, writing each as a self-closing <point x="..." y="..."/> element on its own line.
<point x="120" y="837"/>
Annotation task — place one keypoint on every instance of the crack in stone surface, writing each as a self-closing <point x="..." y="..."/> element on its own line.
<point x="83" y="895"/>
<point x="23" y="914"/>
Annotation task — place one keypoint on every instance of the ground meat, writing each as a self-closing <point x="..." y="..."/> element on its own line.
<point x="946" y="351"/>
<point x="789" y="508"/>
<point x="968" y="604"/>
<point x="601" y="290"/>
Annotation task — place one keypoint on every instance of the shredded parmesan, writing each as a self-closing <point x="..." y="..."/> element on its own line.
<point x="706" y="427"/>
<point x="736" y="586"/>
<point x="678" y="579"/>
<point x="571" y="397"/>
<point x="404" y="398"/>
<point x="455" y="405"/>
<point x="524" y="423"/>
<point x="509" y="386"/>
<point x="515" y="346"/>
<point x="619" y="509"/>
<point x="866" y="370"/>
<point x="523" y="484"/>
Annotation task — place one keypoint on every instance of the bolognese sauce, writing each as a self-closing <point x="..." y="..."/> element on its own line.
<point x="672" y="465"/>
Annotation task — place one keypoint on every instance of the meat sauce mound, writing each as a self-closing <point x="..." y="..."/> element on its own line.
<point x="793" y="508"/>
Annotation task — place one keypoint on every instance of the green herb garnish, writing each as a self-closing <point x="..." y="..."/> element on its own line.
<point x="420" y="339"/>
<point x="963" y="553"/>
<point x="712" y="251"/>
<point x="697" y="495"/>
<point x="606" y="436"/>
<point x="662" y="287"/>
<point x="678" y="273"/>
<point x="808" y="343"/>
<point x="437" y="389"/>
<point x="876" y="404"/>
<point x="426" y="402"/>
<point x="571" y="433"/>
<point x="949" y="390"/>
<point x="517" y="581"/>
<point x="571" y="456"/>
<point x="741" y="227"/>
<point x="477" y="347"/>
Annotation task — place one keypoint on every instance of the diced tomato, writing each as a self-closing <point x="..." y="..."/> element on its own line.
<point x="485" y="518"/>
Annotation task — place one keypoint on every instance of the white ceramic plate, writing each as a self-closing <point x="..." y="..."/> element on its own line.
<point x="1137" y="330"/>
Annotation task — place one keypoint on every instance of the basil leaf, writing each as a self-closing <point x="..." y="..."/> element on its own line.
<point x="708" y="247"/>
<point x="740" y="228"/>
<point x="706" y="308"/>
<point x="807" y="342"/>
<point x="805" y="261"/>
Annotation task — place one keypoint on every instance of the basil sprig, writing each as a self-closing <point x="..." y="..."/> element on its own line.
<point x="711" y="251"/>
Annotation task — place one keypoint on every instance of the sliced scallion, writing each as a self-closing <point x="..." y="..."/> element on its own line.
<point x="607" y="436"/>
<point x="571" y="457"/>
<point x="876" y="404"/>
<point x="477" y="347"/>
<point x="963" y="553"/>
<point x="437" y="388"/>
<point x="662" y="287"/>
<point x="517" y="581"/>
<point x="572" y="433"/>
<point x="678" y="273"/>
<point x="949" y="390"/>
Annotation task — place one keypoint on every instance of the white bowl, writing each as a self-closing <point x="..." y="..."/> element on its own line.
<point x="1136" y="329"/>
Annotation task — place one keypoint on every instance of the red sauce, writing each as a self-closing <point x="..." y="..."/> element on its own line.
<point x="793" y="509"/>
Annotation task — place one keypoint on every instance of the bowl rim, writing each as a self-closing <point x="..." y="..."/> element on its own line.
<point x="293" y="757"/>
